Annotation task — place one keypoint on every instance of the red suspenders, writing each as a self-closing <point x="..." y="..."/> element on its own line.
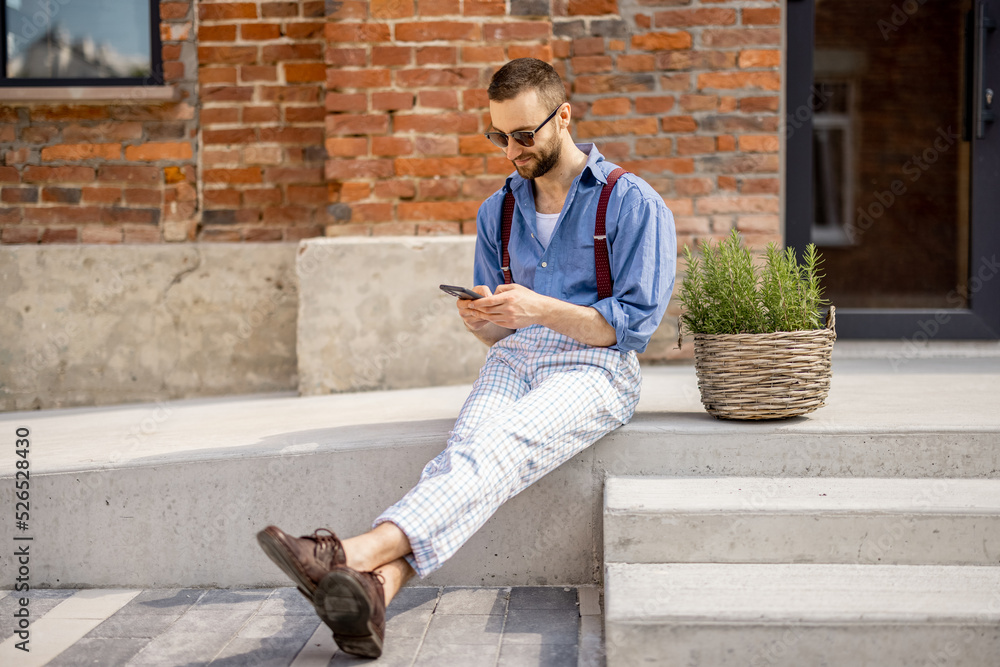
<point x="601" y="261"/>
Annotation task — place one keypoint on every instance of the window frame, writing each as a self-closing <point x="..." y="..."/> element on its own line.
<point x="155" y="77"/>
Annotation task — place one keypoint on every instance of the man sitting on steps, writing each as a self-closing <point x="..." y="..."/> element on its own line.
<point x="573" y="285"/>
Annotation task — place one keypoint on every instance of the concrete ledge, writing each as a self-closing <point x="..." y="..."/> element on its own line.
<point x="371" y="315"/>
<point x="802" y="520"/>
<point x="792" y="615"/>
<point x="98" y="325"/>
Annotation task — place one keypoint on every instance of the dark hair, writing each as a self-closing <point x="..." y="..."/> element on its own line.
<point x="524" y="74"/>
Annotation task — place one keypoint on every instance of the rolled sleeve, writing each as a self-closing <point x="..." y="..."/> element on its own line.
<point x="643" y="267"/>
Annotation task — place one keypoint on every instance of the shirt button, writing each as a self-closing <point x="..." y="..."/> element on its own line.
<point x="544" y="264"/>
<point x="532" y="236"/>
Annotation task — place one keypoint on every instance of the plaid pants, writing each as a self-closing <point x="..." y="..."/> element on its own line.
<point x="541" y="398"/>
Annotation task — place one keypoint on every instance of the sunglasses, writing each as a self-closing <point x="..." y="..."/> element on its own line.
<point x="523" y="137"/>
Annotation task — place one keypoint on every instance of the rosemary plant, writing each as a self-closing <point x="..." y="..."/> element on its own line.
<point x="724" y="292"/>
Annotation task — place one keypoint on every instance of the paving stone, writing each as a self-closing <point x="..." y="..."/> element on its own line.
<point x="181" y="648"/>
<point x="543" y="597"/>
<point x="464" y="629"/>
<point x="298" y="627"/>
<point x="134" y="625"/>
<point x="262" y="652"/>
<point x="40" y="601"/>
<point x="412" y="623"/>
<point x="233" y="599"/>
<point x="395" y="653"/>
<point x="541" y="626"/>
<point x="100" y="651"/>
<point x="213" y="620"/>
<point x="163" y="601"/>
<point x="537" y="655"/>
<point x="440" y="655"/>
<point x="286" y="602"/>
<point x="473" y="601"/>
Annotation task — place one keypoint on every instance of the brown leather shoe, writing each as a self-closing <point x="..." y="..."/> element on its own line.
<point x="307" y="559"/>
<point x="352" y="603"/>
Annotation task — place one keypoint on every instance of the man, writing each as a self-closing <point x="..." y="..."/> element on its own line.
<point x="561" y="370"/>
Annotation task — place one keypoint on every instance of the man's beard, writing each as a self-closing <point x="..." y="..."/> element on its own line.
<point x="543" y="162"/>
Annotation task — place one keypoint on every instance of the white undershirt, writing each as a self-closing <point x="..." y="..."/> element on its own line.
<point x="546" y="223"/>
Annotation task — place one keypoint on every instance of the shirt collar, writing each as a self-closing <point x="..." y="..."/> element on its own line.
<point x="515" y="181"/>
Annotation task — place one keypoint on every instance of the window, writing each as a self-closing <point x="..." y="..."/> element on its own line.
<point x="80" y="43"/>
<point x="833" y="174"/>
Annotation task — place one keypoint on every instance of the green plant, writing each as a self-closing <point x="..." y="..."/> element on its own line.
<point x="724" y="292"/>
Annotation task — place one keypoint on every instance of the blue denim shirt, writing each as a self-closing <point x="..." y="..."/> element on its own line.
<point x="641" y="241"/>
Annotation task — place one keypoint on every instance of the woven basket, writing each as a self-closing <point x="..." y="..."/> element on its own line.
<point x="764" y="376"/>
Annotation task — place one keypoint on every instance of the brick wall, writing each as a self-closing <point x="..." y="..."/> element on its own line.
<point x="369" y="120"/>
<point x="683" y="93"/>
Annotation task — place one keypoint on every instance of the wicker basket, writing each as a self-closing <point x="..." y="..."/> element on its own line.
<point x="764" y="376"/>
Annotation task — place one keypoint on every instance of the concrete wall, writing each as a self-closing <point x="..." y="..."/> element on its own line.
<point x="96" y="325"/>
<point x="371" y="315"/>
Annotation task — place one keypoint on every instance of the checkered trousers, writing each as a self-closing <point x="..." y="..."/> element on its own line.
<point x="541" y="398"/>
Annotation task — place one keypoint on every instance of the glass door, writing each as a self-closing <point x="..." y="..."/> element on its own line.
<point x="894" y="162"/>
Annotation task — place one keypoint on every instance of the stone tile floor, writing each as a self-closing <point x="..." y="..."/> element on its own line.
<point x="518" y="626"/>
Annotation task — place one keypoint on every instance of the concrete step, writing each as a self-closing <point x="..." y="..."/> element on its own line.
<point x="801" y="614"/>
<point x="802" y="520"/>
<point x="171" y="494"/>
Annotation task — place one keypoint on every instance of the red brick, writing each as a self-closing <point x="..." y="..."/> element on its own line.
<point x="19" y="195"/>
<point x="72" y="113"/>
<point x="476" y="144"/>
<point x="760" y="58"/>
<point x="587" y="129"/>
<point x="741" y="37"/>
<point x="440" y="188"/>
<point x="654" y="146"/>
<point x="305" y="114"/>
<point x="357" y="32"/>
<point x="761" y="186"/>
<point x="263" y="155"/>
<point x="757" y="104"/>
<point x="438" y="7"/>
<point x="725" y="143"/>
<point x="289" y="93"/>
<point x="443" y="166"/>
<point x="221" y="198"/>
<point x="262" y="235"/>
<point x="260" y="197"/>
<point x="170" y="11"/>
<point x="767" y="143"/>
<point x="307" y="194"/>
<point x="740" y="80"/>
<point x="392" y="101"/>
<point x="256" y="32"/>
<point x="662" y="41"/>
<point x="653" y="105"/>
<point x="484" y="8"/>
<point x="253" y="73"/>
<point x="35" y="174"/>
<point x="220" y="115"/>
<point x="134" y="234"/>
<point x="244" y="175"/>
<point x="171" y="51"/>
<point x="366" y="78"/>
<point x="591" y="64"/>
<point x="346" y="102"/>
<point x="432" y="123"/>
<point x="101" y="195"/>
<point x="298" y="73"/>
<point x="660" y="166"/>
<point x="41" y="134"/>
<point x="438" y="99"/>
<point x="679" y="18"/>
<point x="387" y="56"/>
<point x="357" y="124"/>
<point x="293" y="175"/>
<point x="637" y="63"/>
<point x="227" y="54"/>
<point x="761" y="16"/>
<point x="437" y="145"/>
<point x="693" y="186"/>
<point x="276" y="9"/>
<point x="509" y="32"/>
<point x="173" y="71"/>
<point x="678" y="124"/>
<point x="444" y="210"/>
<point x="233" y="136"/>
<point x="611" y="106"/>
<point x="428" y="31"/>
<point x="483" y="54"/>
<point x="262" y="114"/>
<point x="451" y="77"/>
<point x="227" y="94"/>
<point x="693" y="145"/>
<point x="310" y="30"/>
<point x="60" y="235"/>
<point x="144" y="196"/>
<point x="101" y="234"/>
<point x="539" y="51"/>
<point x="215" y="235"/>
<point x="437" y="55"/>
<point x="349" y="192"/>
<point x="81" y="152"/>
<point x="348" y="57"/>
<point x="391" y="146"/>
<point x="613" y="83"/>
<point x="588" y="46"/>
<point x="395" y="189"/>
<point x="279" y="52"/>
<point x="216" y="33"/>
<point x="153" y="151"/>
<point x="217" y="75"/>
<point x="699" y="102"/>
<point x="591" y="7"/>
<point x="56" y="215"/>
<point x="223" y="11"/>
<point x="481" y="188"/>
<point x="292" y="135"/>
<point x="475" y="99"/>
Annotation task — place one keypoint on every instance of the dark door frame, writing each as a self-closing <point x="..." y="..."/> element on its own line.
<point x="981" y="320"/>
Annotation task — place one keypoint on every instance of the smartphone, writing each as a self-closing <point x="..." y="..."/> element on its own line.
<point x="460" y="292"/>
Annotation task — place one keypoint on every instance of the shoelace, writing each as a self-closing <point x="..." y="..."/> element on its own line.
<point x="328" y="545"/>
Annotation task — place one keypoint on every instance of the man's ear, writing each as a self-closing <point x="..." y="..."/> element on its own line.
<point x="565" y="115"/>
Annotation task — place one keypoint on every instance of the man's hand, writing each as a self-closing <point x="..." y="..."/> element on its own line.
<point x="474" y="320"/>
<point x="512" y="307"/>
